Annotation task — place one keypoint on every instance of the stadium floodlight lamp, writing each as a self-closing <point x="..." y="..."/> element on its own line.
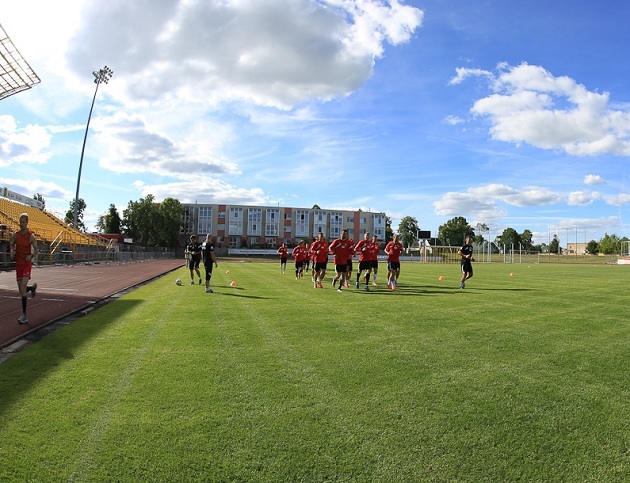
<point x="101" y="75"/>
<point x="15" y="73"/>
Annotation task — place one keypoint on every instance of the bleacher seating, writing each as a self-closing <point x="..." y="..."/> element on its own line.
<point x="47" y="228"/>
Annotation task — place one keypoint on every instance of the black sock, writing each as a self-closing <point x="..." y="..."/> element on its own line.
<point x="24" y="304"/>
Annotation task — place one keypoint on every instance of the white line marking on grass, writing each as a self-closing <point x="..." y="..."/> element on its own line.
<point x="85" y="460"/>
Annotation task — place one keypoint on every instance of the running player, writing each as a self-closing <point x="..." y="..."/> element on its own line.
<point x="341" y="248"/>
<point x="23" y="250"/>
<point x="393" y="249"/>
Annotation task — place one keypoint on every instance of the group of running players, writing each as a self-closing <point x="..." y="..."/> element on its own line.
<point x="343" y="250"/>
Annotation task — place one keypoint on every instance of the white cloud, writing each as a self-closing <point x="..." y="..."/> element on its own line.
<point x="530" y="105"/>
<point x="453" y="120"/>
<point x="618" y="200"/>
<point x="49" y="190"/>
<point x="592" y="179"/>
<point x="204" y="190"/>
<point x="582" y="198"/>
<point x="483" y="201"/>
<point x="130" y="145"/>
<point x="293" y="50"/>
<point x="22" y="145"/>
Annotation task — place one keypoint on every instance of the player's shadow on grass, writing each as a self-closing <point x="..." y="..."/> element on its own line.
<point x="228" y="294"/>
<point x="22" y="371"/>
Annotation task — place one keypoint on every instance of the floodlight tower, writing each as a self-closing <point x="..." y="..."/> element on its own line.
<point x="102" y="75"/>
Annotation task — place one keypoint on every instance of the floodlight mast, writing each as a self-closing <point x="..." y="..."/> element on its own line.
<point x="102" y="75"/>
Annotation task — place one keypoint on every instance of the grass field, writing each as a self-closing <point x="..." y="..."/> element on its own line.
<point x="522" y="377"/>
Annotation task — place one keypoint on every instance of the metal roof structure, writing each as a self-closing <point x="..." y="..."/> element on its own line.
<point x="15" y="73"/>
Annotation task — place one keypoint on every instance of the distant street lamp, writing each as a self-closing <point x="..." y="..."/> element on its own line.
<point x="102" y="75"/>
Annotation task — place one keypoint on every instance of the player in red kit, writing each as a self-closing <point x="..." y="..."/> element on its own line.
<point x="393" y="249"/>
<point x="363" y="248"/>
<point x="319" y="249"/>
<point x="299" y="255"/>
<point x="341" y="248"/>
<point x="24" y="253"/>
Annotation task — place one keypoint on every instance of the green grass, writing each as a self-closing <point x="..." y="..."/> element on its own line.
<point x="521" y="377"/>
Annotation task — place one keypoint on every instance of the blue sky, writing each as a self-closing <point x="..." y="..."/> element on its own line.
<point x="513" y="114"/>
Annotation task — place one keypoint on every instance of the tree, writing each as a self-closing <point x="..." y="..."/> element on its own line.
<point x="69" y="219"/>
<point x="554" y="245"/>
<point x="171" y="214"/>
<point x="407" y="230"/>
<point x="316" y="207"/>
<point x="141" y="221"/>
<point x="455" y="231"/>
<point x="510" y="237"/>
<point x="526" y="240"/>
<point x="610" y="244"/>
<point x="592" y="247"/>
<point x="110" y="221"/>
<point x="153" y="224"/>
<point x="40" y="198"/>
<point x="389" y="233"/>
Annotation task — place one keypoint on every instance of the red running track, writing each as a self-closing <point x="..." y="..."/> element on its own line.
<point x="64" y="290"/>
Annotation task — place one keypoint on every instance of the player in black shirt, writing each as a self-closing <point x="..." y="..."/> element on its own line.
<point x="193" y="250"/>
<point x="466" y="252"/>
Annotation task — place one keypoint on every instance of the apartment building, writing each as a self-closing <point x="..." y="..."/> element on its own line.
<point x="237" y="226"/>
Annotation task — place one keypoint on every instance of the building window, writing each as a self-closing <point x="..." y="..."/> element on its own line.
<point x="235" y="242"/>
<point x="320" y="222"/>
<point x="221" y="214"/>
<point x="254" y="221"/>
<point x="287" y="216"/>
<point x="301" y="223"/>
<point x="235" y="226"/>
<point x="204" y="223"/>
<point x="272" y="223"/>
<point x="351" y="219"/>
<point x="188" y="218"/>
<point x="336" y="224"/>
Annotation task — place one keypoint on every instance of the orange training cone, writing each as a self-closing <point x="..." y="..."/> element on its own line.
<point x="227" y="271"/>
<point x="233" y="284"/>
<point x="441" y="277"/>
<point x="511" y="274"/>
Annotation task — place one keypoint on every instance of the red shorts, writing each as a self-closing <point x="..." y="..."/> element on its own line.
<point x="23" y="270"/>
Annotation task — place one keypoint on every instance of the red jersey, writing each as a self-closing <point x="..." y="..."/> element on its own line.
<point x="363" y="249"/>
<point x="319" y="249"/>
<point x="283" y="251"/>
<point x="299" y="253"/>
<point x="22" y="247"/>
<point x="342" y="250"/>
<point x="374" y="249"/>
<point x="393" y="250"/>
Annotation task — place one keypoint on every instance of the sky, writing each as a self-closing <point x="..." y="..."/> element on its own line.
<point x="510" y="114"/>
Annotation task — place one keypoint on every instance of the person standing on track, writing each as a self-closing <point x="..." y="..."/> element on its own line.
<point x="24" y="252"/>
<point x="193" y="250"/>
<point x="209" y="259"/>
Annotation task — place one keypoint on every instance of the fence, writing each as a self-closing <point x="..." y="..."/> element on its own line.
<point x="504" y="254"/>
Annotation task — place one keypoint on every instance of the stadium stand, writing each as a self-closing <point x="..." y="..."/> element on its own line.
<point x="53" y="235"/>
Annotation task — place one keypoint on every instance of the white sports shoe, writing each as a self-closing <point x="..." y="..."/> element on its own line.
<point x="23" y="319"/>
<point x="209" y="290"/>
